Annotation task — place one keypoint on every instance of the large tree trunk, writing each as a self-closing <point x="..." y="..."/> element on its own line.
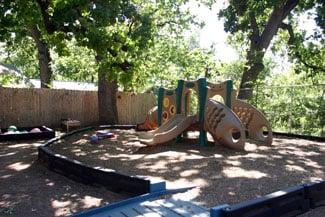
<point x="107" y="89"/>
<point x="259" y="43"/>
<point x="252" y="69"/>
<point x="44" y="58"/>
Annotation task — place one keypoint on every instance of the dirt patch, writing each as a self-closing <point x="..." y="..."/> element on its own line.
<point x="222" y="175"/>
<point x="29" y="189"/>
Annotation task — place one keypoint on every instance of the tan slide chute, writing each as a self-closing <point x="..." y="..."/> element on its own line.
<point x="169" y="130"/>
<point x="151" y="122"/>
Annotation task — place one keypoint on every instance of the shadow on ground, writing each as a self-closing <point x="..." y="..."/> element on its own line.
<point x="222" y="175"/>
<point x="29" y="189"/>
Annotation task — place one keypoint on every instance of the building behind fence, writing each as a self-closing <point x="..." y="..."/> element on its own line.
<point x="33" y="107"/>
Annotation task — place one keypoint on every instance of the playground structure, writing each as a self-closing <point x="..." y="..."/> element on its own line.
<point x="228" y="122"/>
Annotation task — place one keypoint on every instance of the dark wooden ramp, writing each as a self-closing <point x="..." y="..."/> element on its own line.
<point x="156" y="208"/>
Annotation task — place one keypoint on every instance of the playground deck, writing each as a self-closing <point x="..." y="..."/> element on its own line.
<point x="156" y="208"/>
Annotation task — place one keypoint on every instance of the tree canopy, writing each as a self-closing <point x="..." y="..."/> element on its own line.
<point x="257" y="22"/>
<point x="134" y="45"/>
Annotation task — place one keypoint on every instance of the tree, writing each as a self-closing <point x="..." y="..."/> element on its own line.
<point x="78" y="64"/>
<point x="20" y="19"/>
<point x="117" y="31"/>
<point x="114" y="30"/>
<point x="258" y="22"/>
<point x="172" y="58"/>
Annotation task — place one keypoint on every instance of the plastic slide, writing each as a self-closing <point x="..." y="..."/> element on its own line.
<point x="151" y="122"/>
<point x="224" y="125"/>
<point x="169" y="130"/>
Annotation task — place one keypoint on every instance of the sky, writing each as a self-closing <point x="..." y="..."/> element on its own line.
<point x="213" y="32"/>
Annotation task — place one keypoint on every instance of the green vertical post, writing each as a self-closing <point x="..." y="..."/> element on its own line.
<point x="202" y="83"/>
<point x="161" y="92"/>
<point x="229" y="87"/>
<point x="179" y="94"/>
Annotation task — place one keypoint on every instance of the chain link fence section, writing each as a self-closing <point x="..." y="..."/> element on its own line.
<point x="295" y="109"/>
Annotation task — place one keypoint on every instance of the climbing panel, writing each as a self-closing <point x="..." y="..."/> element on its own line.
<point x="255" y="123"/>
<point x="224" y="126"/>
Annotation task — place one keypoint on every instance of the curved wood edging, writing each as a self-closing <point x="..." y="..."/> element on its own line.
<point x="313" y="138"/>
<point x="81" y="172"/>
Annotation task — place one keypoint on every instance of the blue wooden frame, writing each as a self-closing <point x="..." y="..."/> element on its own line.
<point x="138" y="199"/>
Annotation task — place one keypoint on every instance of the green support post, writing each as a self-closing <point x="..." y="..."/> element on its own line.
<point x="179" y="94"/>
<point x="161" y="92"/>
<point x="202" y="83"/>
<point x="229" y="87"/>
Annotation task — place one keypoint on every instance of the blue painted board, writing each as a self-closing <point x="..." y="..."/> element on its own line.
<point x="158" y="207"/>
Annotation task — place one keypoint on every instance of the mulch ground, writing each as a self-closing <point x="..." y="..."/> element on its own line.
<point x="222" y="175"/>
<point x="29" y="189"/>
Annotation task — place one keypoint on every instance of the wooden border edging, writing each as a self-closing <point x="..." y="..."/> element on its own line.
<point x="290" y="202"/>
<point x="313" y="138"/>
<point x="108" y="178"/>
<point x="138" y="199"/>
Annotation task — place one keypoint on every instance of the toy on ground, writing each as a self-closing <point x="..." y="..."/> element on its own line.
<point x="13" y="133"/>
<point x="100" y="135"/>
<point x="94" y="139"/>
<point x="12" y="128"/>
<point x="227" y="122"/>
<point x="35" y="130"/>
<point x="104" y="134"/>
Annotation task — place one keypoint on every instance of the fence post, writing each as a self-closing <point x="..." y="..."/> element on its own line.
<point x="256" y="97"/>
<point x="321" y="116"/>
<point x="290" y="110"/>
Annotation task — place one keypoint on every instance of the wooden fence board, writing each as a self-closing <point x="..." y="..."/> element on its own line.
<point x="25" y="107"/>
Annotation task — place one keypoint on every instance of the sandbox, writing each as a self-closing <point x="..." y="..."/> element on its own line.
<point x="223" y="175"/>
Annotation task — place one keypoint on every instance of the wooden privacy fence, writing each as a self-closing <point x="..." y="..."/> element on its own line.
<point x="132" y="108"/>
<point x="33" y="107"/>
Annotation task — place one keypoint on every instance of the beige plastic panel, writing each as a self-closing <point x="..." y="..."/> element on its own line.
<point x="218" y="89"/>
<point x="168" y="107"/>
<point x="221" y="123"/>
<point x="151" y="121"/>
<point x="169" y="130"/>
<point x="187" y="94"/>
<point x="254" y="121"/>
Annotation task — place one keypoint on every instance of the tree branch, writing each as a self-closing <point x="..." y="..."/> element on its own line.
<point x="166" y="22"/>
<point x="278" y="14"/>
<point x="44" y="5"/>
<point x="255" y="37"/>
<point x="289" y="28"/>
<point x="291" y="42"/>
<point x="288" y="7"/>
